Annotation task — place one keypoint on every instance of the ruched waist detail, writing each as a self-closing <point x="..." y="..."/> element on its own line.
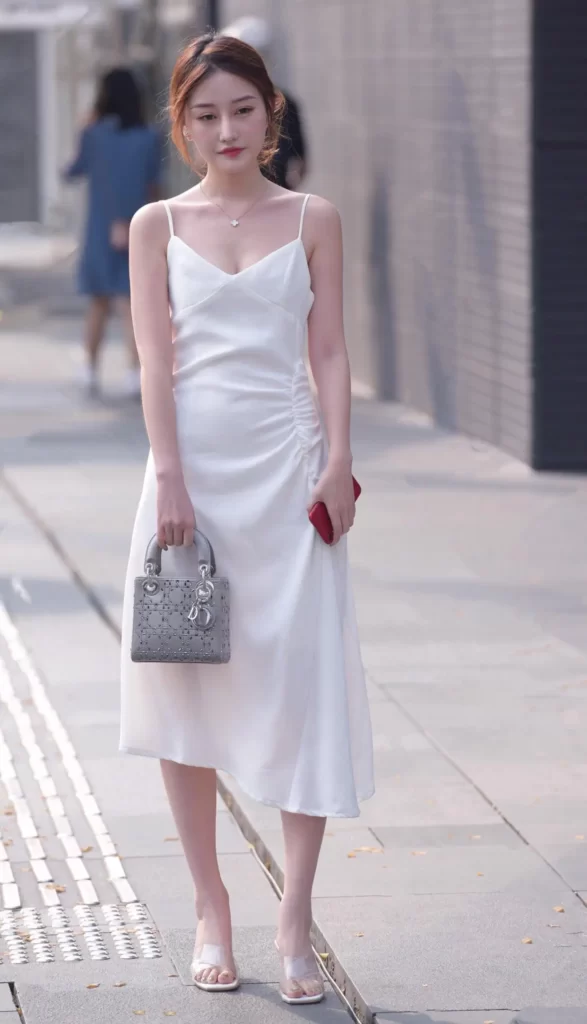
<point x="305" y="413"/>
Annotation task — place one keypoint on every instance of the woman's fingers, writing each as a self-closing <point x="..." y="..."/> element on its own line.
<point x="336" y="520"/>
<point x="175" y="535"/>
<point x="342" y="520"/>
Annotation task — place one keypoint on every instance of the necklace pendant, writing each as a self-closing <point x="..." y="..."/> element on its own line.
<point x="235" y="223"/>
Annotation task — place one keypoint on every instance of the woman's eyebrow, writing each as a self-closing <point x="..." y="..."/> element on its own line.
<point x="239" y="99"/>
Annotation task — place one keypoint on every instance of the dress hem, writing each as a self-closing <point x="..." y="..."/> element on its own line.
<point x="135" y="751"/>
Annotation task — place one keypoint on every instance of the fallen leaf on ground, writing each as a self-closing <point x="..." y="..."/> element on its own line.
<point x="119" y="984"/>
<point x="368" y="849"/>
<point x="559" y="910"/>
<point x="329" y="833"/>
<point x="169" y="1013"/>
<point x="139" y="1013"/>
<point x="419" y="853"/>
<point x="8" y="810"/>
<point x="474" y="837"/>
<point x="480" y="874"/>
<point x="579" y="837"/>
<point x="488" y="1022"/>
<point x="359" y="935"/>
<point x="527" y="941"/>
<point x="324" y="956"/>
<point x="173" y="975"/>
<point x="95" y="984"/>
<point x="57" y="888"/>
<point x="8" y="842"/>
<point x="171" y="839"/>
<point x="87" y="849"/>
<point x="351" y="854"/>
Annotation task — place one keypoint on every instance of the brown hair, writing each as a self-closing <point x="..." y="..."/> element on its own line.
<point x="210" y="53"/>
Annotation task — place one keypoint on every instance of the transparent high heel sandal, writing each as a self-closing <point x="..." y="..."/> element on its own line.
<point x="299" y="969"/>
<point x="209" y="956"/>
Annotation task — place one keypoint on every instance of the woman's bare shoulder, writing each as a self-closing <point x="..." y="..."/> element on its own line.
<point x="321" y="211"/>
<point x="149" y="220"/>
<point x="322" y="226"/>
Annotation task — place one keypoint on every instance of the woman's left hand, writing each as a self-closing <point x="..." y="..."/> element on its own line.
<point x="335" y="489"/>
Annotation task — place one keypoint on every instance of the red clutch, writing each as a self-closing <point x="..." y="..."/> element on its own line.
<point x="318" y="516"/>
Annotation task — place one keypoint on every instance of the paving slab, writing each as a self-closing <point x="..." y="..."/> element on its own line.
<point x="6" y="1000"/>
<point x="448" y="1017"/>
<point x="354" y="864"/>
<point x="168" y="890"/>
<point x="460" y="951"/>
<point x="554" y="1015"/>
<point x="252" y="1004"/>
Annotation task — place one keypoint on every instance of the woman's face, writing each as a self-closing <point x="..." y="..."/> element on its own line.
<point x="226" y="120"/>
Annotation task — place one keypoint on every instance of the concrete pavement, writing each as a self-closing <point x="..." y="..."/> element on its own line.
<point x="469" y="577"/>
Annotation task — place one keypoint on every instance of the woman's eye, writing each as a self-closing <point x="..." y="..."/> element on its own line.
<point x="244" y="110"/>
<point x="206" y="117"/>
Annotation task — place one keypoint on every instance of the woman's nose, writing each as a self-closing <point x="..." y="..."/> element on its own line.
<point x="227" y="131"/>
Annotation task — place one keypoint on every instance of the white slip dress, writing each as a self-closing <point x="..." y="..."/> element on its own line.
<point x="288" y="715"/>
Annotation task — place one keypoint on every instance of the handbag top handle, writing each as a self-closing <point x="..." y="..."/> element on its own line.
<point x="206" y="560"/>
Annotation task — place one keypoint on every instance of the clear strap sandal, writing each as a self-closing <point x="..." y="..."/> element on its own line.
<point x="207" y="957"/>
<point x="299" y="969"/>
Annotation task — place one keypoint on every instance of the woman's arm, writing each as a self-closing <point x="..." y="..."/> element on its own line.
<point x="80" y="165"/>
<point x="330" y="364"/>
<point x="152" y="327"/>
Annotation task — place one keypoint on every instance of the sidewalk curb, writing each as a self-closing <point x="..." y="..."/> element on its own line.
<point x="331" y="966"/>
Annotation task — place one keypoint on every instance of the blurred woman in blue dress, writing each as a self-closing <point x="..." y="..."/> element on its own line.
<point x="120" y="155"/>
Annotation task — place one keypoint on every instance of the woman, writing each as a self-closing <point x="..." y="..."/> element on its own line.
<point x="225" y="279"/>
<point x="120" y="157"/>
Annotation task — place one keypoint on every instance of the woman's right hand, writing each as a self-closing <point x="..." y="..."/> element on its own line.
<point x="176" y="521"/>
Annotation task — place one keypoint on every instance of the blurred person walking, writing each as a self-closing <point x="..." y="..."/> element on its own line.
<point x="228" y="281"/>
<point x="289" y="165"/>
<point x="121" y="158"/>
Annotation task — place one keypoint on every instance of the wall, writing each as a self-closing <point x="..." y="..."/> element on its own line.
<point x="419" y="117"/>
<point x="19" y="122"/>
<point x="560" y="235"/>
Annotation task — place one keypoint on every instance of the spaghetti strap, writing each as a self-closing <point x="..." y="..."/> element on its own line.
<point x="169" y="217"/>
<point x="304" y="204"/>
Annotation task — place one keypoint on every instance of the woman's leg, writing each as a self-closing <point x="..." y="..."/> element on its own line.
<point x="96" y="317"/>
<point x="123" y="304"/>
<point x="192" y="796"/>
<point x="303" y="835"/>
<point x="132" y="385"/>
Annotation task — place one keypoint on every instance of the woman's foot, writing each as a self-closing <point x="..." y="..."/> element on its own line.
<point x="301" y="981"/>
<point x="213" y="964"/>
<point x="301" y="978"/>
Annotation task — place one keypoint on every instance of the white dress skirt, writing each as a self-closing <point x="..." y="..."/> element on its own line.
<point x="288" y="715"/>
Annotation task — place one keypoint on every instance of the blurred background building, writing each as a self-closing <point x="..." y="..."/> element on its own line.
<point x="450" y="133"/>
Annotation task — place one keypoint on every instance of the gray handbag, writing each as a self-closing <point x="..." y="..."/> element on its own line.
<point x="185" y="620"/>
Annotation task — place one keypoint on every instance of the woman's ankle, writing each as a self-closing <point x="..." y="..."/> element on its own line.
<point x="215" y="903"/>
<point x="294" y="928"/>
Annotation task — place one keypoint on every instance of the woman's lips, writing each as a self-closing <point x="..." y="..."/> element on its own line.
<point x="233" y="151"/>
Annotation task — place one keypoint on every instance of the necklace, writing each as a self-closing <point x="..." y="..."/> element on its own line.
<point x="235" y="221"/>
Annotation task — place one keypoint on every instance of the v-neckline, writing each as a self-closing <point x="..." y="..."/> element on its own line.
<point x="239" y="273"/>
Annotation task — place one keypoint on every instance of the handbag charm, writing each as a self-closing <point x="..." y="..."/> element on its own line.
<point x="181" y="620"/>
